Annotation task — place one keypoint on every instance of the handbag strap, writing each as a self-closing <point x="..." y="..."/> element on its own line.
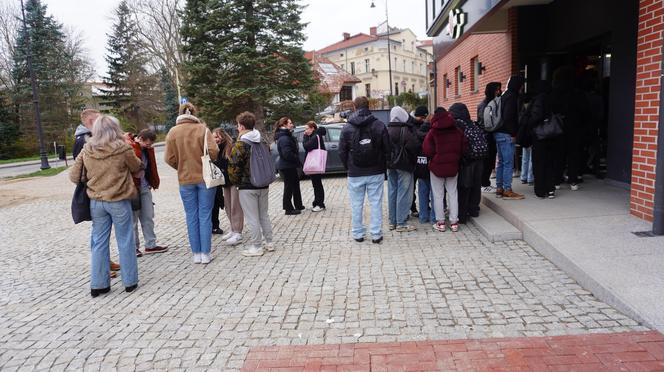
<point x="80" y="177"/>
<point x="206" y="150"/>
<point x="318" y="137"/>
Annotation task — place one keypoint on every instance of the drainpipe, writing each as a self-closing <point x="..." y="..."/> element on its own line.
<point x="658" y="209"/>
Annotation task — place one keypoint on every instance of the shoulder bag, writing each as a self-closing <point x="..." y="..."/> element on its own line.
<point x="80" y="202"/>
<point x="212" y="175"/>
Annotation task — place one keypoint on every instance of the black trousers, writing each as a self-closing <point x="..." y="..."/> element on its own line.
<point x="319" y="192"/>
<point x="218" y="204"/>
<point x="292" y="190"/>
<point x="489" y="161"/>
<point x="470" y="192"/>
<point x="546" y="165"/>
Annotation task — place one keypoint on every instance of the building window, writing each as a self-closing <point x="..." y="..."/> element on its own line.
<point x="352" y="68"/>
<point x="404" y="65"/>
<point x="412" y="67"/>
<point x="366" y="65"/>
<point x="446" y="87"/>
<point x="413" y="89"/>
<point x="396" y="89"/>
<point x="456" y="81"/>
<point x="395" y="64"/>
<point x="343" y="67"/>
<point x="367" y="87"/>
<point x="422" y="69"/>
<point x="346" y="93"/>
<point x="475" y="74"/>
<point x="341" y="55"/>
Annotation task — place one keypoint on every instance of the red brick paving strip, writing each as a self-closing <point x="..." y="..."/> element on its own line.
<point x="629" y="351"/>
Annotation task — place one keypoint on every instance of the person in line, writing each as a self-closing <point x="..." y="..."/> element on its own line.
<point x="81" y="135"/>
<point x="427" y="213"/>
<point x="108" y="164"/>
<point x="287" y="164"/>
<point x="314" y="138"/>
<point x="418" y="118"/>
<point x="227" y="196"/>
<point x="364" y="149"/>
<point x="254" y="200"/>
<point x="184" y="149"/>
<point x="444" y="145"/>
<point x="405" y="147"/>
<point x="545" y="151"/>
<point x="505" y="137"/>
<point x="145" y="182"/>
<point x="492" y="90"/>
<point x="572" y="104"/>
<point x="470" y="174"/>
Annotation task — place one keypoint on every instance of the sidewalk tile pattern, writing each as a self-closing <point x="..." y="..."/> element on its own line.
<point x="628" y="351"/>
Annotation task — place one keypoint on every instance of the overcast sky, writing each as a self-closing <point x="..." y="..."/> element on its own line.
<point x="327" y="19"/>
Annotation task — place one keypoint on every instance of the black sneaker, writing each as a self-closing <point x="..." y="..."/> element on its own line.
<point x="217" y="231"/>
<point x="139" y="253"/>
<point x="96" y="292"/>
<point x="156" y="249"/>
<point x="359" y="240"/>
<point x="377" y="241"/>
<point x="293" y="212"/>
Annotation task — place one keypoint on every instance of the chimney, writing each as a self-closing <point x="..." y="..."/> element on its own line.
<point x="372" y="31"/>
<point x="346" y="36"/>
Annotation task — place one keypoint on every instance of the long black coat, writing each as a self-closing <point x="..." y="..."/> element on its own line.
<point x="289" y="151"/>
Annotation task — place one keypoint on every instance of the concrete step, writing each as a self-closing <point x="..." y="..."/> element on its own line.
<point x="494" y="227"/>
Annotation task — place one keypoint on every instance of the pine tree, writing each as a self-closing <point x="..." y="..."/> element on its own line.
<point x="244" y="55"/>
<point x="170" y="97"/>
<point x="9" y="130"/>
<point x="131" y="90"/>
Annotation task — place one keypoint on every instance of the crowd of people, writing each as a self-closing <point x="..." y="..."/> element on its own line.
<point x="445" y="158"/>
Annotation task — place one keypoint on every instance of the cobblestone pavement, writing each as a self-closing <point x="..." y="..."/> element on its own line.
<point x="319" y="287"/>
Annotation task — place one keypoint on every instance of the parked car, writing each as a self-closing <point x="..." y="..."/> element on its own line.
<point x="331" y="145"/>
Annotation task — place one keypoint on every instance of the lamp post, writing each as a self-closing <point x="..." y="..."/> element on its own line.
<point x="35" y="94"/>
<point x="389" y="54"/>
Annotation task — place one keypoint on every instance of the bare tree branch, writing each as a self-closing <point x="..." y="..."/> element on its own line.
<point x="9" y="28"/>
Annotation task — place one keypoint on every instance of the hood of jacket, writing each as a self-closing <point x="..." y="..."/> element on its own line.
<point x="81" y="129"/>
<point x="459" y="111"/>
<point x="107" y="151"/>
<point x="186" y="118"/>
<point x="251" y="135"/>
<point x="398" y="115"/>
<point x="515" y="83"/>
<point x="282" y="132"/>
<point x="442" y="120"/>
<point x="361" y="117"/>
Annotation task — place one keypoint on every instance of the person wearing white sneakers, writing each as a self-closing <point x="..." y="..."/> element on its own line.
<point x="231" y="198"/>
<point x="253" y="199"/>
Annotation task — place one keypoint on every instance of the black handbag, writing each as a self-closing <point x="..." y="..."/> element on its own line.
<point x="552" y="127"/>
<point x="80" y="202"/>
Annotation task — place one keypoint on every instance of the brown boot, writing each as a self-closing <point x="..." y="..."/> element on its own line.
<point x="114" y="266"/>
<point x="511" y="195"/>
<point x="499" y="193"/>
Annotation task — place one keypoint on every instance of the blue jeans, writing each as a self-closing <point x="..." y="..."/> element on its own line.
<point x="399" y="195"/>
<point x="372" y="186"/>
<point x="104" y="216"/>
<point x="198" y="201"/>
<point x="505" y="167"/>
<point x="425" y="198"/>
<point x="527" y="165"/>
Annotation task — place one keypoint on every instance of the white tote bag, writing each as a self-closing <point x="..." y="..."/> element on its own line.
<point x="211" y="173"/>
<point x="316" y="161"/>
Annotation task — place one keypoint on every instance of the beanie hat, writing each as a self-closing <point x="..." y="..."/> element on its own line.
<point x="421" y="111"/>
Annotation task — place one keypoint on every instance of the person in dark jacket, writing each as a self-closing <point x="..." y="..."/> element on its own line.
<point x="287" y="164"/>
<point x="84" y="130"/>
<point x="405" y="148"/>
<point x="470" y="175"/>
<point x="254" y="200"/>
<point x="314" y="138"/>
<point x="492" y="90"/>
<point x="418" y="118"/>
<point x="424" y="193"/>
<point x="227" y="196"/>
<point x="444" y="145"/>
<point x="505" y="137"/>
<point x="571" y="103"/>
<point x="545" y="152"/>
<point x="364" y="149"/>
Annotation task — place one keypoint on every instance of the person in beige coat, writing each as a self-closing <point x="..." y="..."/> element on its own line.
<point x="107" y="163"/>
<point x="184" y="148"/>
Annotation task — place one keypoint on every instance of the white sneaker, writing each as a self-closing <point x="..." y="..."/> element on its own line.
<point x="235" y="239"/>
<point x="227" y="236"/>
<point x="205" y="258"/>
<point x="269" y="246"/>
<point x="317" y="209"/>
<point x="197" y="258"/>
<point x="574" y="187"/>
<point x="489" y="189"/>
<point x="253" y="251"/>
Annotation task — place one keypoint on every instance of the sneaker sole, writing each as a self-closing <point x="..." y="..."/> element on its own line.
<point x="155" y="252"/>
<point x="252" y="254"/>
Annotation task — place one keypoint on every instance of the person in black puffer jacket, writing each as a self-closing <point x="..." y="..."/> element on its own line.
<point x="312" y="135"/>
<point x="287" y="164"/>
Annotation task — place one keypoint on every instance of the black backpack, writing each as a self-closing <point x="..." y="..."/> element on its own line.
<point x="363" y="149"/>
<point x="478" y="147"/>
<point x="400" y="158"/>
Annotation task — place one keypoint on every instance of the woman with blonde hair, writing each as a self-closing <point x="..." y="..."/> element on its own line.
<point x="185" y="145"/>
<point x="227" y="196"/>
<point x="107" y="163"/>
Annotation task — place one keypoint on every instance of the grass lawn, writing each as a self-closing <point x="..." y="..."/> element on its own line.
<point x="41" y="173"/>
<point x="16" y="160"/>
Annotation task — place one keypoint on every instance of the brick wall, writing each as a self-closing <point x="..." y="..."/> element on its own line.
<point x="646" y="112"/>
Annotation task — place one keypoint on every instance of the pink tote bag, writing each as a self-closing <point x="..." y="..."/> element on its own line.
<point x="316" y="160"/>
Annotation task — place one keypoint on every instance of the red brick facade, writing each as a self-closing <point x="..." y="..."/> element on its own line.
<point x="646" y="111"/>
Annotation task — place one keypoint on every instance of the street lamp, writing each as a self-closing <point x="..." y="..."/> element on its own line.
<point x="389" y="54"/>
<point x="35" y="94"/>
